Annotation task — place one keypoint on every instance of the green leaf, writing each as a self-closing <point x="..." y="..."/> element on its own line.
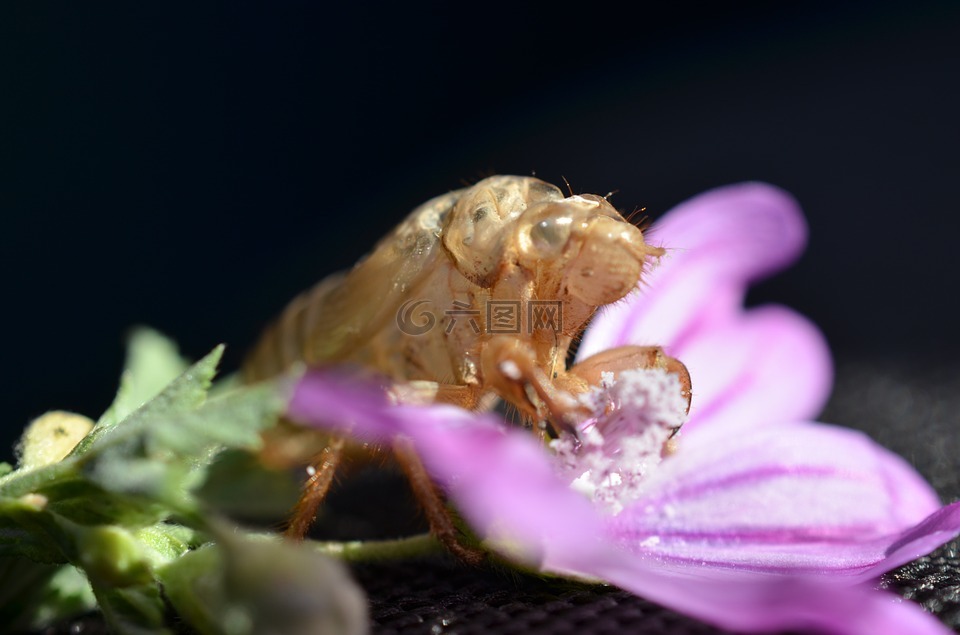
<point x="26" y="481"/>
<point x="187" y="392"/>
<point x="81" y="501"/>
<point x="27" y="529"/>
<point x="35" y="595"/>
<point x="111" y="556"/>
<point x="67" y="593"/>
<point x="165" y="542"/>
<point x="141" y="470"/>
<point x="240" y="486"/>
<point x="152" y="362"/>
<point x="163" y="456"/>
<point x="21" y="583"/>
<point x="119" y="564"/>
<point x="105" y="507"/>
<point x="138" y="610"/>
<point x="130" y="456"/>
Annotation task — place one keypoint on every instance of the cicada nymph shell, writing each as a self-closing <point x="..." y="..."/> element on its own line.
<point x="477" y="294"/>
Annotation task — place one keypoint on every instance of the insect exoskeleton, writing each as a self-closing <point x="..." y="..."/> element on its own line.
<point x="477" y="294"/>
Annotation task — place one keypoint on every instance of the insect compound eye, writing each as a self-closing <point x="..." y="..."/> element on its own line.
<point x="551" y="234"/>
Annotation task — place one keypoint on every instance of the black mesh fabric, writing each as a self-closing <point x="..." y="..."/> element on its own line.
<point x="439" y="596"/>
<point x="911" y="409"/>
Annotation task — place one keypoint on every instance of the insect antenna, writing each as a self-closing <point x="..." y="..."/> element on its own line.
<point x="634" y="213"/>
<point x="643" y="222"/>
<point x="569" y="189"/>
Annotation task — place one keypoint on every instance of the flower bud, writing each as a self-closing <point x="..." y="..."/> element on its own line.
<point x="243" y="587"/>
<point x="50" y="437"/>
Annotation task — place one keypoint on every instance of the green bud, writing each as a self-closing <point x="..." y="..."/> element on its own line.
<point x="112" y="556"/>
<point x="243" y="586"/>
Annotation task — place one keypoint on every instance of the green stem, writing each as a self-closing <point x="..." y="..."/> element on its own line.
<point x="379" y="550"/>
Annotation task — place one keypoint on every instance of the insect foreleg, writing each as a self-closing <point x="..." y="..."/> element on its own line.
<point x="616" y="360"/>
<point x="511" y="368"/>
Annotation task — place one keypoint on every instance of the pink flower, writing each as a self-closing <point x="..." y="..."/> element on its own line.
<point x="762" y="520"/>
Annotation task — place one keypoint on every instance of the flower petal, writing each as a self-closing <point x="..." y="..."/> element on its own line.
<point x="763" y="603"/>
<point x="717" y="243"/>
<point x="935" y="530"/>
<point x="692" y="306"/>
<point x="795" y="497"/>
<point x="505" y="485"/>
<point x="750" y="601"/>
<point x="771" y="361"/>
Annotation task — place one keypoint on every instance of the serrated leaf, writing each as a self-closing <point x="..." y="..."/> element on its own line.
<point x="118" y="455"/>
<point x="161" y="457"/>
<point x="187" y="392"/>
<point x="152" y="362"/>
<point x="142" y="469"/>
<point x="232" y="420"/>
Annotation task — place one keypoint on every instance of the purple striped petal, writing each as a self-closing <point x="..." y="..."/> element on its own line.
<point x="691" y="305"/>
<point x="937" y="529"/>
<point x="795" y="497"/>
<point x="758" y="603"/>
<point x="717" y="243"/>
<point x="769" y="365"/>
<point x="506" y="486"/>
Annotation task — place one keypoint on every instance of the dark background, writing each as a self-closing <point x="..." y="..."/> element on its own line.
<point x="193" y="169"/>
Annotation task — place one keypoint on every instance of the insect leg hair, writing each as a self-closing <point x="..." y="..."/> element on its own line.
<point x="324" y="467"/>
